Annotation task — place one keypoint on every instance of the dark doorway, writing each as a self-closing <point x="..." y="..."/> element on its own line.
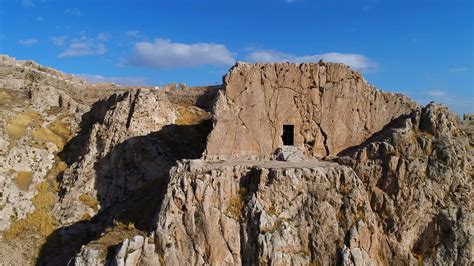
<point x="288" y="135"/>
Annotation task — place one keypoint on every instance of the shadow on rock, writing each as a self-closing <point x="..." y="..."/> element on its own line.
<point x="75" y="148"/>
<point x="131" y="182"/>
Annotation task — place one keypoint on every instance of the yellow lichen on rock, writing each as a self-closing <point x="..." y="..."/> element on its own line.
<point x="23" y="179"/>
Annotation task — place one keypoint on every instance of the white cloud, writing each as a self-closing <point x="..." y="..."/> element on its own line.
<point x="436" y="93"/>
<point x="58" y="40"/>
<point x="73" y="12"/>
<point x="83" y="49"/>
<point x="28" y="42"/>
<point x="457" y="69"/>
<point x="27" y="3"/>
<point x="126" y="81"/>
<point x="83" y="45"/>
<point x="133" y="33"/>
<point x="165" y="54"/>
<point x="40" y="19"/>
<point x="356" y="61"/>
<point x="103" y="37"/>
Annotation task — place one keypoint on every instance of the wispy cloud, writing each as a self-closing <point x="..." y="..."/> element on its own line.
<point x="58" y="40"/>
<point x="165" y="54"/>
<point x="83" y="49"/>
<point x="456" y="101"/>
<point x="103" y="37"/>
<point x="27" y="3"/>
<point x="436" y="93"/>
<point x="458" y="69"/>
<point x="126" y="81"/>
<point x="133" y="33"/>
<point x="28" y="42"/>
<point x="73" y="12"/>
<point x="290" y="1"/>
<point x="356" y="61"/>
<point x="83" y="46"/>
<point x="40" y="19"/>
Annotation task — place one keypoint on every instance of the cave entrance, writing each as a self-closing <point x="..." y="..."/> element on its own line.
<point x="288" y="135"/>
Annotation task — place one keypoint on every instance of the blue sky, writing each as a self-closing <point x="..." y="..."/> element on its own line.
<point x="420" y="48"/>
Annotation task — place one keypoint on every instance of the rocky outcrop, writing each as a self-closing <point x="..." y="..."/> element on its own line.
<point x="401" y="199"/>
<point x="101" y="142"/>
<point x="131" y="146"/>
<point x="123" y="177"/>
<point x="331" y="107"/>
<point x="418" y="173"/>
<point x="278" y="213"/>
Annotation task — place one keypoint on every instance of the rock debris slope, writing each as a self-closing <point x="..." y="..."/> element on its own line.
<point x="96" y="174"/>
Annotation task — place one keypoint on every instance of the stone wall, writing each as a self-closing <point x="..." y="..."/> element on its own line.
<point x="331" y="107"/>
<point x="468" y="117"/>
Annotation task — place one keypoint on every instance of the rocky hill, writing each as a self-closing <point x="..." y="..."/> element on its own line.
<point x="95" y="174"/>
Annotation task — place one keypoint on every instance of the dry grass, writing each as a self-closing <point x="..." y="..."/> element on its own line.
<point x="40" y="220"/>
<point x="89" y="201"/>
<point x="16" y="128"/>
<point x="86" y="216"/>
<point x="236" y="205"/>
<point x="360" y="215"/>
<point x="114" y="235"/>
<point x="57" y="132"/>
<point x="191" y="115"/>
<point x="58" y="168"/>
<point x="4" y="97"/>
<point x="23" y="179"/>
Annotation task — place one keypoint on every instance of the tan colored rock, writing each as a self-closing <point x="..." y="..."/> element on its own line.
<point x="331" y="107"/>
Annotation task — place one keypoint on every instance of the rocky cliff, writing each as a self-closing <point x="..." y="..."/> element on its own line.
<point x="402" y="197"/>
<point x="330" y="106"/>
<point x="135" y="176"/>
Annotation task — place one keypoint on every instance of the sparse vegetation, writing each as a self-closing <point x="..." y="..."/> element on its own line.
<point x="236" y="205"/>
<point x="57" y="133"/>
<point x="40" y="220"/>
<point x="191" y="115"/>
<point x="4" y="97"/>
<point x="360" y="213"/>
<point x="23" y="179"/>
<point x="16" y="128"/>
<point x="89" y="201"/>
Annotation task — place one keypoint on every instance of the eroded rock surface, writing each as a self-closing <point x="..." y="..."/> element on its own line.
<point x="402" y="198"/>
<point x="99" y="173"/>
<point x="331" y="107"/>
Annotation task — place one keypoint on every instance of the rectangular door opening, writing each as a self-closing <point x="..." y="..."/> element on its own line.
<point x="288" y="135"/>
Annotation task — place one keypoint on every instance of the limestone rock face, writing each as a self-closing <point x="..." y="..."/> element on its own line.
<point x="130" y="146"/>
<point x="331" y="107"/>
<point x="96" y="174"/>
<point x="419" y="175"/>
<point x="281" y="213"/>
<point x="388" y="200"/>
